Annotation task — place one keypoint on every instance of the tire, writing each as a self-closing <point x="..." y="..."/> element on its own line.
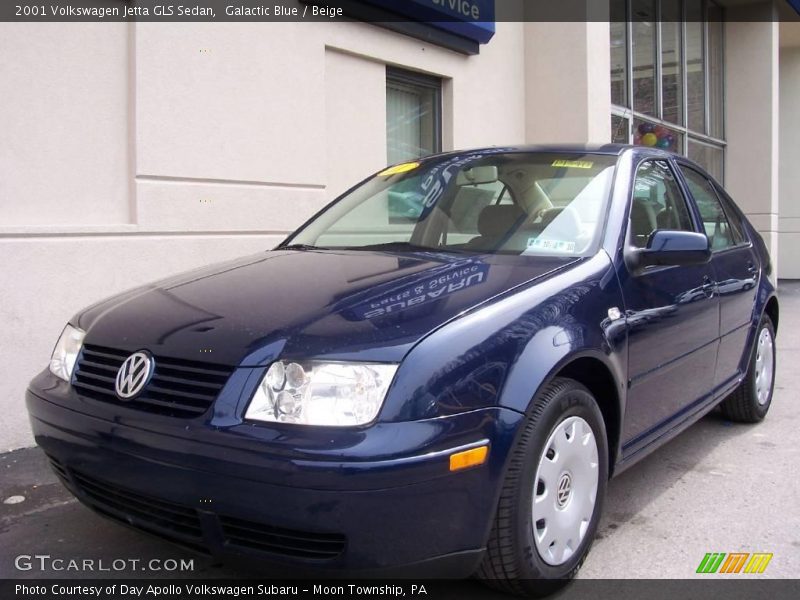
<point x="750" y="402"/>
<point x="515" y="562"/>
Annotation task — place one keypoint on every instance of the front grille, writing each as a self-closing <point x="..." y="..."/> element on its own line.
<point x="170" y="520"/>
<point x="182" y="524"/>
<point x="178" y="388"/>
<point x="288" y="542"/>
<point x="58" y="468"/>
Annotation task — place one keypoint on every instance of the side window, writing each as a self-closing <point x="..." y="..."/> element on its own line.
<point x="657" y="203"/>
<point x="715" y="221"/>
<point x="734" y="217"/>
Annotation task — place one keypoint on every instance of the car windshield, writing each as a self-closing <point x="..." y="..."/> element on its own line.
<point x="485" y="202"/>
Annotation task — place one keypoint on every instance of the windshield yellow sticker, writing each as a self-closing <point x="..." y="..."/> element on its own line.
<point x="397" y="169"/>
<point x="573" y="164"/>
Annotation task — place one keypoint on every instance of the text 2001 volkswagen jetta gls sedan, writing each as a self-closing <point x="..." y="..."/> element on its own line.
<point x="437" y="374"/>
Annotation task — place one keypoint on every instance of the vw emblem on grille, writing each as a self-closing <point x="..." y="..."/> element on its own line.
<point x="564" y="490"/>
<point x="133" y="375"/>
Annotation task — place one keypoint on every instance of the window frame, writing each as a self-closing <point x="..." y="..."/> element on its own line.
<point x="428" y="83"/>
<point x="628" y="112"/>
<point x="726" y="205"/>
<point x="730" y="207"/>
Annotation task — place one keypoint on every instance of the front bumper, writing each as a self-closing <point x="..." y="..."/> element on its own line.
<point x="319" y="502"/>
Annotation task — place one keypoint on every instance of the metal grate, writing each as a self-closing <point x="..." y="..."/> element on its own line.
<point x="58" y="468"/>
<point x="286" y="542"/>
<point x="166" y="518"/>
<point x="178" y="388"/>
<point x="182" y="524"/>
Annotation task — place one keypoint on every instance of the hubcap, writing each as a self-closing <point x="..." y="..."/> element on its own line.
<point x="565" y="490"/>
<point x="765" y="364"/>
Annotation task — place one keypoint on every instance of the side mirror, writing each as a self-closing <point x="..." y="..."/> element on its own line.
<point x="673" y="248"/>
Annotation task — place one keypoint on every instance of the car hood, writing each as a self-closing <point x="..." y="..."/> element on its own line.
<point x="306" y="304"/>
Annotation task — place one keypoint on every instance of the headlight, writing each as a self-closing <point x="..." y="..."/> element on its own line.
<point x="332" y="394"/>
<point x="66" y="352"/>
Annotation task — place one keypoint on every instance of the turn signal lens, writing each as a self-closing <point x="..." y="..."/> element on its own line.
<point x="468" y="458"/>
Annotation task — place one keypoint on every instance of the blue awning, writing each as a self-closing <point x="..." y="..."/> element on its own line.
<point x="470" y="19"/>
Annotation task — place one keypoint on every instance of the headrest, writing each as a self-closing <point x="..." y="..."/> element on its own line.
<point x="498" y="219"/>
<point x="563" y="225"/>
<point x="642" y="211"/>
<point x="549" y="215"/>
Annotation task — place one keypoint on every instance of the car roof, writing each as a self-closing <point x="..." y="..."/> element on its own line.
<point x="606" y="149"/>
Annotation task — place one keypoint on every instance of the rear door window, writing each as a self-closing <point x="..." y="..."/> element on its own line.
<point x="734" y="217"/>
<point x="715" y="221"/>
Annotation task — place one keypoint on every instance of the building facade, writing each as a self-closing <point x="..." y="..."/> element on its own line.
<point x="136" y="150"/>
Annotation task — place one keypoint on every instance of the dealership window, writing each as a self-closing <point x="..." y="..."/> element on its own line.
<point x="413" y="130"/>
<point x="667" y="77"/>
<point x="413" y="115"/>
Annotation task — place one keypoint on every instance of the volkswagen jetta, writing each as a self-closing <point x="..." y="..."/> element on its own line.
<point x="437" y="374"/>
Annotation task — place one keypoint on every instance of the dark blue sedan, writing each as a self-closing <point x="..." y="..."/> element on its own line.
<point x="436" y="375"/>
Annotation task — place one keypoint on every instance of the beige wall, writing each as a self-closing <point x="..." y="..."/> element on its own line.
<point x="752" y="118"/>
<point x="567" y="74"/>
<point x="132" y="151"/>
<point x="789" y="221"/>
<point x="65" y="151"/>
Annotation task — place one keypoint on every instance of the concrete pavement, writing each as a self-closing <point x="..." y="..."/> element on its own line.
<point x="717" y="487"/>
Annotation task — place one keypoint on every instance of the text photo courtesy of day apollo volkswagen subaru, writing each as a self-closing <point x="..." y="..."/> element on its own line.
<point x="436" y="375"/>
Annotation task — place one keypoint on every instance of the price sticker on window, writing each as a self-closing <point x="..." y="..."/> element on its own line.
<point x="573" y="164"/>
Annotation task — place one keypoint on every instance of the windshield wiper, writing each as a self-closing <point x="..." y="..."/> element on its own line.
<point x="301" y="247"/>
<point x="400" y="247"/>
<point x="387" y="247"/>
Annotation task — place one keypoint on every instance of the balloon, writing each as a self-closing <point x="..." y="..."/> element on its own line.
<point x="646" y="128"/>
<point x="649" y="139"/>
<point x="664" y="143"/>
<point x="637" y="139"/>
<point x="660" y="131"/>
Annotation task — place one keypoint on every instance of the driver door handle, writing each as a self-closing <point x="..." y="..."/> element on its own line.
<point x="708" y="286"/>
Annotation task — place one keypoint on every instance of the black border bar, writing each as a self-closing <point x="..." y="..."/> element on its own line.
<point x="740" y="587"/>
<point x="276" y="11"/>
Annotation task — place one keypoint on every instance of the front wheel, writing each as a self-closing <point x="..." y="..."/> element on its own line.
<point x="750" y="402"/>
<point x="552" y="497"/>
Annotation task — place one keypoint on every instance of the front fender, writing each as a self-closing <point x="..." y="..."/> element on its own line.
<point x="501" y="354"/>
